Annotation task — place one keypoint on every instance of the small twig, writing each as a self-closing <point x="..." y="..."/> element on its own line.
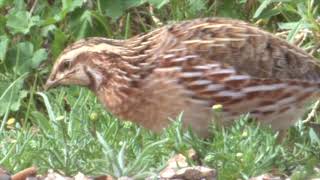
<point x="154" y="18"/>
<point x="314" y="49"/>
<point x="301" y="37"/>
<point x="282" y="34"/>
<point x="33" y="6"/>
<point x="313" y="112"/>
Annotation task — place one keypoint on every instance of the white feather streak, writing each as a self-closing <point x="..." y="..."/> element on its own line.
<point x="271" y="87"/>
<point x="237" y="77"/>
<point x="206" y="66"/>
<point x="169" y="69"/>
<point x="167" y="56"/>
<point x="199" y="25"/>
<point x="200" y="82"/>
<point x="191" y="74"/>
<point x="232" y="94"/>
<point x="287" y="100"/>
<point x="222" y="71"/>
<point x="217" y="26"/>
<point x="214" y="87"/>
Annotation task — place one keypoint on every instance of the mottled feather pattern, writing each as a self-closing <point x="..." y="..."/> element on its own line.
<point x="218" y="84"/>
<point x="192" y="65"/>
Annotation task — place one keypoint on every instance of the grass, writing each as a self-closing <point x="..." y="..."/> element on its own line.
<point x="68" y="130"/>
<point x="78" y="135"/>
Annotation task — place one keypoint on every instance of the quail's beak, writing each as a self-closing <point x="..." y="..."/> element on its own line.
<point x="54" y="81"/>
<point x="50" y="84"/>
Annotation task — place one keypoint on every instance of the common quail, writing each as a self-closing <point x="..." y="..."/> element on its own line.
<point x="189" y="67"/>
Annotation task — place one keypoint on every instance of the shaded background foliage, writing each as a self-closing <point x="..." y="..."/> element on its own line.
<point x="34" y="32"/>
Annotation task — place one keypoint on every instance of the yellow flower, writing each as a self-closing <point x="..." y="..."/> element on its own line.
<point x="244" y="134"/>
<point x="93" y="116"/>
<point x="11" y="121"/>
<point x="217" y="107"/>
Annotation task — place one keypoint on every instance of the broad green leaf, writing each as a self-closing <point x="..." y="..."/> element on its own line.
<point x="45" y="31"/>
<point x="229" y="9"/>
<point x="16" y="104"/>
<point x="265" y="4"/>
<point x="22" y="58"/>
<point x="269" y="13"/>
<point x="21" y="21"/>
<point x="115" y="9"/>
<point x="86" y="22"/>
<point x="19" y="5"/>
<point x="2" y="25"/>
<point x="71" y="5"/>
<point x="11" y="95"/>
<point x="23" y="54"/>
<point x="133" y="3"/>
<point x="314" y="137"/>
<point x="4" y="41"/>
<point x="292" y="25"/>
<point x="17" y="22"/>
<point x="196" y="5"/>
<point x="39" y="56"/>
<point x="57" y="15"/>
<point x="60" y="38"/>
<point x="101" y="20"/>
<point x="294" y="31"/>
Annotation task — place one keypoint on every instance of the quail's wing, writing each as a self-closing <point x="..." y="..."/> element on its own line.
<point x="216" y="83"/>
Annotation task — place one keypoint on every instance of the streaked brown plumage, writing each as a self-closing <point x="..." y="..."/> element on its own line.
<point x="189" y="67"/>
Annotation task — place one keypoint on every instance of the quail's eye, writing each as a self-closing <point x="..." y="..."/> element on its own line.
<point x="65" y="65"/>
